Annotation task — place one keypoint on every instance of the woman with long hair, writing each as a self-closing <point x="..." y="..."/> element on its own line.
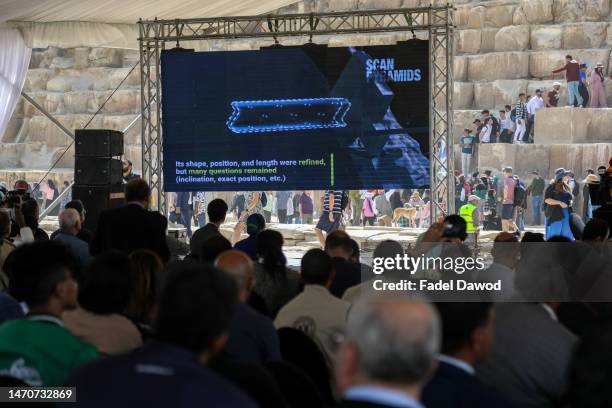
<point x="274" y="282"/>
<point x="146" y="273"/>
<point x="558" y="200"/>
<point x="598" y="90"/>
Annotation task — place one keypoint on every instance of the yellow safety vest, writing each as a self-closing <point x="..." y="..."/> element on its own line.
<point x="466" y="213"/>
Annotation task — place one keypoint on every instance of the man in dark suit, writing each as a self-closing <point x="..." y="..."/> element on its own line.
<point x="216" y="210"/>
<point x="467" y="337"/>
<point x="388" y="366"/>
<point x="252" y="337"/>
<point x="133" y="226"/>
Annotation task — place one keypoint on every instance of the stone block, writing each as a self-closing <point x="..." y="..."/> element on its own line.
<point x="583" y="10"/>
<point x="483" y="95"/>
<point x="79" y="102"/>
<point x="130" y="58"/>
<point x="119" y="74"/>
<point x="512" y="38"/>
<point x="487" y="42"/>
<point x="28" y="109"/>
<point x="105" y="57"/>
<point x="494" y="156"/>
<point x="546" y="37"/>
<point x="468" y="41"/>
<point x="62" y="63"/>
<point x="541" y="63"/>
<point x="506" y="91"/>
<point x="608" y="85"/>
<point x="463" y="97"/>
<point x="42" y="130"/>
<point x="81" y="57"/>
<point x="568" y="156"/>
<point x="518" y="17"/>
<point x="533" y="157"/>
<point x="63" y="157"/>
<point x="499" y="15"/>
<point x="460" y="68"/>
<point x="537" y="11"/>
<point x="595" y="155"/>
<point x="83" y="82"/>
<point x="61" y="83"/>
<point x="54" y="103"/>
<point x="462" y="15"/>
<point x="476" y="17"/>
<point x="36" y="79"/>
<point x="584" y="35"/>
<point x="499" y="65"/>
<point x="463" y="119"/>
<point x="124" y="101"/>
<point x="573" y="125"/>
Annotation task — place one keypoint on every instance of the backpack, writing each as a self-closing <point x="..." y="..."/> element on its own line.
<point x="520" y="193"/>
<point x="513" y="115"/>
<point x="263" y="199"/>
<point x="345" y="200"/>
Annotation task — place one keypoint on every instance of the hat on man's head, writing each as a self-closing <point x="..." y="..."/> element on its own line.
<point x="560" y="173"/>
<point x="556" y="83"/>
<point x="600" y="65"/>
<point x="473" y="198"/>
<point x="592" y="178"/>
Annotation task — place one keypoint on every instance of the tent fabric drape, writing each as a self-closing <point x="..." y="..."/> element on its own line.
<point x="14" y="62"/>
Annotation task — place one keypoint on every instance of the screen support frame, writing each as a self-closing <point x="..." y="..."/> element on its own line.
<point x="436" y="23"/>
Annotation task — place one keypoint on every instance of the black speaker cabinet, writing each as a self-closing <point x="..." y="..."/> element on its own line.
<point x="97" y="170"/>
<point x="98" y="142"/>
<point x="97" y="199"/>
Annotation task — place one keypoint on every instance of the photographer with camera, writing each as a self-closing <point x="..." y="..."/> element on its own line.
<point x="23" y="214"/>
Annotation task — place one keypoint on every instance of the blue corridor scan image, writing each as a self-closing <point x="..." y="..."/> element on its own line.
<point x="293" y="118"/>
<point x="287" y="114"/>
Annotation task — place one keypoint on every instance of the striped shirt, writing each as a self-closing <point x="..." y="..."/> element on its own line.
<point x="521" y="111"/>
<point x="337" y="201"/>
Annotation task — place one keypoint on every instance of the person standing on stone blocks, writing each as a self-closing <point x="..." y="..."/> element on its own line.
<point x="598" y="90"/>
<point x="505" y="126"/>
<point x="583" y="86"/>
<point x="572" y="76"/>
<point x="536" y="191"/>
<point x="467" y="142"/>
<point x="532" y="106"/>
<point x="507" y="200"/>
<point x="552" y="99"/>
<point x="486" y="118"/>
<point x="520" y="114"/>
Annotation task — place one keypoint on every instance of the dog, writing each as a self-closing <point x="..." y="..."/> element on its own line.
<point x="410" y="213"/>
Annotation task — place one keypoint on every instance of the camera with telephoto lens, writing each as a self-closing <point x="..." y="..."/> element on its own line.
<point x="16" y="197"/>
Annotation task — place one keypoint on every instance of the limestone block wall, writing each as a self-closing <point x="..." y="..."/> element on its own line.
<point x="71" y="84"/>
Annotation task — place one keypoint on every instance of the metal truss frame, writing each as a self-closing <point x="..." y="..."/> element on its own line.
<point x="436" y="22"/>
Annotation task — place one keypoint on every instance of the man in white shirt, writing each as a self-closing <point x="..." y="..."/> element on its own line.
<point x="532" y="106"/>
<point x="316" y="311"/>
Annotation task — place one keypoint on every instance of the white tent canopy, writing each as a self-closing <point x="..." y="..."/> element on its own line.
<point x="27" y="24"/>
<point x="111" y="23"/>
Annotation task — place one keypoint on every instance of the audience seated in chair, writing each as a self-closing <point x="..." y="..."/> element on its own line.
<point x="38" y="349"/>
<point x="195" y="309"/>
<point x="104" y="293"/>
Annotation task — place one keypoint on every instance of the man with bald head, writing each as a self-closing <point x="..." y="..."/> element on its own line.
<point x="251" y="337"/>
<point x="388" y="353"/>
<point x="70" y="226"/>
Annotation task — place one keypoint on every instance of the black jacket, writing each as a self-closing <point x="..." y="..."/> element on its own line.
<point x="453" y="387"/>
<point x="129" y="228"/>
